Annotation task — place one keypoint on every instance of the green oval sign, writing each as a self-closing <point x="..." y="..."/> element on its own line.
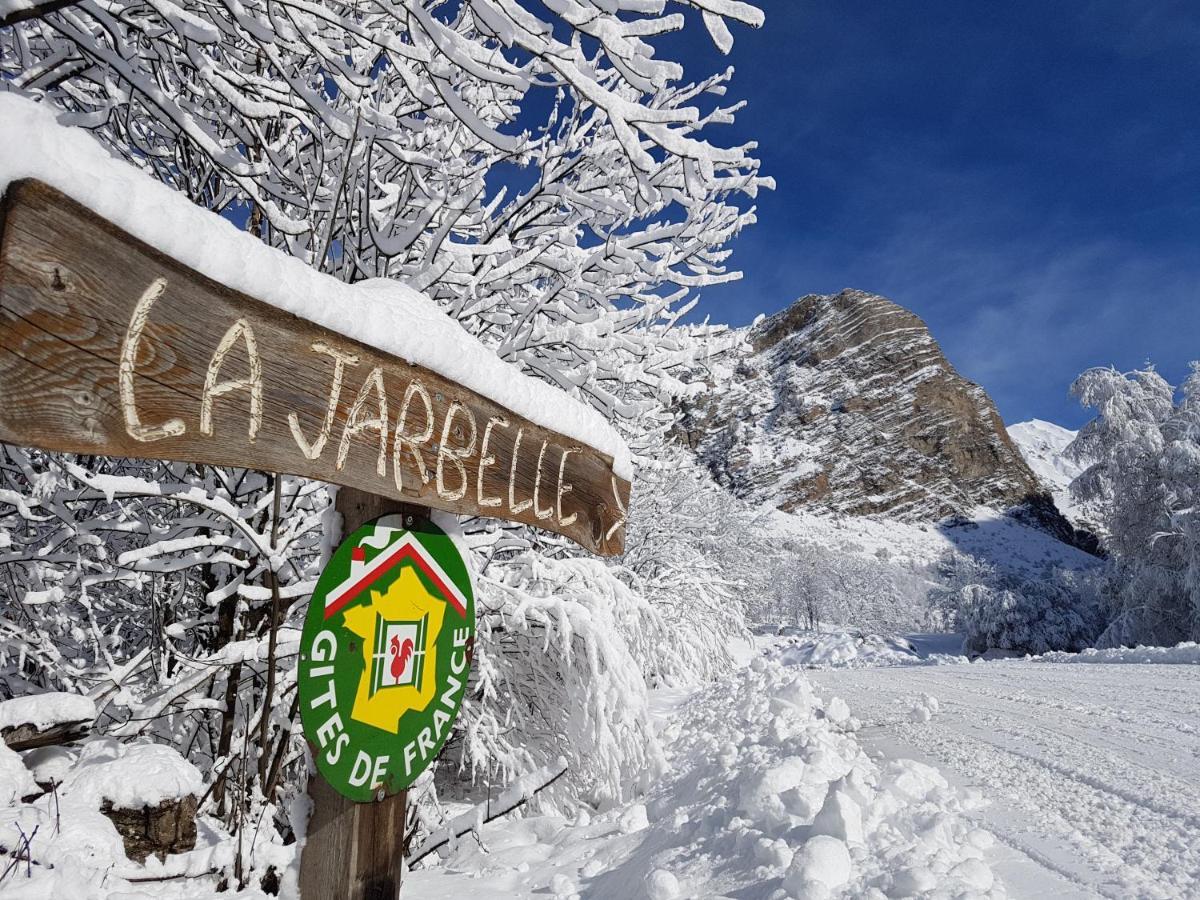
<point x="385" y="655"/>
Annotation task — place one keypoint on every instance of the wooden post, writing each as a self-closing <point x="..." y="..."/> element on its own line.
<point x="354" y="850"/>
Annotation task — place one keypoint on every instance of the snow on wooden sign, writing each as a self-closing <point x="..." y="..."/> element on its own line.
<point x="111" y="347"/>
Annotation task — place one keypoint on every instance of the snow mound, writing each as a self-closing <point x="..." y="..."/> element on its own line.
<point x="46" y="710"/>
<point x="130" y="776"/>
<point x="924" y="708"/>
<point x="16" y="781"/>
<point x="1187" y="653"/>
<point x="381" y="313"/>
<point x="804" y="800"/>
<point x="852" y="650"/>
<point x="75" y="848"/>
<point x="802" y="811"/>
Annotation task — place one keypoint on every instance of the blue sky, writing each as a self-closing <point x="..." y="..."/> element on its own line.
<point x="1023" y="175"/>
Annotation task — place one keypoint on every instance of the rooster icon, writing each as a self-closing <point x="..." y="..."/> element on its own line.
<point x="401" y="654"/>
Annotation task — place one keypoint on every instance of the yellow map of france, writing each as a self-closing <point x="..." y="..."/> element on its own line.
<point x="405" y="599"/>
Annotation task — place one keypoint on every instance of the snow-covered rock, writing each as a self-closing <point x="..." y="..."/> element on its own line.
<point x="130" y="776"/>
<point x="46" y="710"/>
<point x="846" y="403"/>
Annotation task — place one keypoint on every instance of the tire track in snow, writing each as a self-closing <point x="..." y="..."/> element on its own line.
<point x="1092" y="767"/>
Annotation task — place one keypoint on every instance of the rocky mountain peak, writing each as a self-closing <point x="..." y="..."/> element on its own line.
<point x="846" y="402"/>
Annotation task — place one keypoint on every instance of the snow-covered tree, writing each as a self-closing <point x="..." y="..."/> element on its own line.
<point x="809" y="583"/>
<point x="1143" y="464"/>
<point x="1055" y="609"/>
<point x="539" y="171"/>
<point x="547" y="178"/>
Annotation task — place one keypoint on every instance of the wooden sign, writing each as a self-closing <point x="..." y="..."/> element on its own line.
<point x="385" y="655"/>
<point x="109" y="347"/>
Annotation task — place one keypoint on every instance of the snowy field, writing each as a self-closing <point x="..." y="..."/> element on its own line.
<point x="1092" y="770"/>
<point x="766" y="793"/>
<point x="938" y="777"/>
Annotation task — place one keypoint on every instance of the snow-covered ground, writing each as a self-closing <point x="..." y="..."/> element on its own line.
<point x="1000" y="540"/>
<point x="1032" y="778"/>
<point x="767" y="795"/>
<point x="1092" y="770"/>
<point x="823" y="765"/>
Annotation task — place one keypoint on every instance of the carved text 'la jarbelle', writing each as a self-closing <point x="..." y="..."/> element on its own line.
<point x="450" y="448"/>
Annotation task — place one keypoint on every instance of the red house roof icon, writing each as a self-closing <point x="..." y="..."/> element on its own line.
<point x="363" y="574"/>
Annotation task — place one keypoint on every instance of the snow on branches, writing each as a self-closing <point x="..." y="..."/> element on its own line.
<point x="1143" y="464"/>
<point x="550" y="181"/>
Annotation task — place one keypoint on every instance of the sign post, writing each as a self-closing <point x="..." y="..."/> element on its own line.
<point x="110" y="347"/>
<point x="352" y="850"/>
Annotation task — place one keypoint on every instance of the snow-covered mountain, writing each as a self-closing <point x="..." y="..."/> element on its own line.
<point x="1044" y="444"/>
<point x="845" y="402"/>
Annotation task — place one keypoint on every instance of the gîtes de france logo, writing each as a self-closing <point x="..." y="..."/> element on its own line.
<point x="385" y="655"/>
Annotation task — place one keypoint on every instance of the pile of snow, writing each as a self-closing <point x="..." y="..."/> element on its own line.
<point x="769" y="795"/>
<point x="843" y="649"/>
<point x="16" y="781"/>
<point x="75" y="850"/>
<point x="924" y="708"/>
<point x="852" y="650"/>
<point x="130" y="776"/>
<point x="46" y="710"/>
<point x="382" y="313"/>
<point x="1187" y="653"/>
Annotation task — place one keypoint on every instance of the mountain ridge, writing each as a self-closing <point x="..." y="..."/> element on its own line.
<point x="845" y="402"/>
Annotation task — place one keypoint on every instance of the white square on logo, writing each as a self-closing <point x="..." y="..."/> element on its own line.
<point x="399" y="655"/>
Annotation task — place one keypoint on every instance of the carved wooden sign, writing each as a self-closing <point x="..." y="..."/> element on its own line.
<point x="109" y="347"/>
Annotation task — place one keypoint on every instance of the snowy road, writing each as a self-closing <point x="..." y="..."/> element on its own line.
<point x="1093" y="770"/>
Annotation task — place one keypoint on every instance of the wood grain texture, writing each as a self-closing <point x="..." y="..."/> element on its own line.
<point x="355" y="850"/>
<point x="29" y="736"/>
<point x="69" y="285"/>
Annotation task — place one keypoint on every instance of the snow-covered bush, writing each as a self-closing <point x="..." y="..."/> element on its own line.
<point x="558" y="672"/>
<point x="1029" y="615"/>
<point x="1059" y="609"/>
<point x="1143" y="466"/>
<point x="568" y="647"/>
<point x="168" y="594"/>
<point x="691" y="551"/>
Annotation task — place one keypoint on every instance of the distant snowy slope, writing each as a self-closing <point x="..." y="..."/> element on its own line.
<point x="1012" y="546"/>
<point x="1044" y="444"/>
